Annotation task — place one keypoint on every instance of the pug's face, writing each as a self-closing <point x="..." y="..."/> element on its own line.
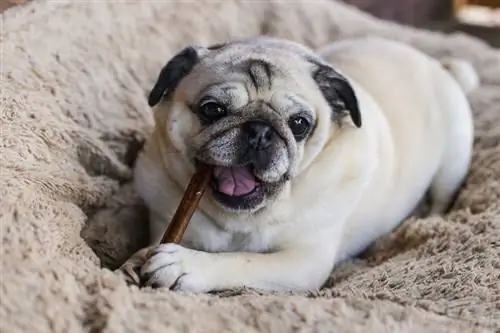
<point x="259" y="110"/>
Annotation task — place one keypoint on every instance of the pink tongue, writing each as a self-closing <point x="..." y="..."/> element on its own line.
<point x="235" y="181"/>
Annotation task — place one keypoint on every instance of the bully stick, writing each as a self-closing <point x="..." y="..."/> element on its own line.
<point x="188" y="204"/>
<point x="178" y="224"/>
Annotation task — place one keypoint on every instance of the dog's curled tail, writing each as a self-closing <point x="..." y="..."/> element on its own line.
<point x="463" y="72"/>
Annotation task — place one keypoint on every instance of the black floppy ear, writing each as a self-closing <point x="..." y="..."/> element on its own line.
<point x="173" y="72"/>
<point x="338" y="92"/>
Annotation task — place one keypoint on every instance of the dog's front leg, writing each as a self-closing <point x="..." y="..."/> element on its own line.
<point x="297" y="267"/>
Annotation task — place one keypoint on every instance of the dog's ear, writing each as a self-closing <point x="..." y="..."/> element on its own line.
<point x="338" y="92"/>
<point x="173" y="72"/>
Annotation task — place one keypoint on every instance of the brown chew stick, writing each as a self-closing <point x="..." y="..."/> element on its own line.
<point x="178" y="224"/>
<point x="189" y="203"/>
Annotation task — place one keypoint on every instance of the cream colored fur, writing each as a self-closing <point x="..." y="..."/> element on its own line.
<point x="416" y="137"/>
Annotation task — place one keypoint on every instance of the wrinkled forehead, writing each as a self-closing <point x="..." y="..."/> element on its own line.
<point x="238" y="73"/>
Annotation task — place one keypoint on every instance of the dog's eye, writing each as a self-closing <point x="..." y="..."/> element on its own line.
<point x="299" y="126"/>
<point x="211" y="111"/>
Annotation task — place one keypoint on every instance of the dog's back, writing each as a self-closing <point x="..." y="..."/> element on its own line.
<point x="430" y="130"/>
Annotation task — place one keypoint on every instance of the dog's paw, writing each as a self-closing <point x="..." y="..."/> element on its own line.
<point x="130" y="270"/>
<point x="178" y="268"/>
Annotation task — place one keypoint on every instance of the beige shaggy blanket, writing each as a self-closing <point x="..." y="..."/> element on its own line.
<point x="75" y="75"/>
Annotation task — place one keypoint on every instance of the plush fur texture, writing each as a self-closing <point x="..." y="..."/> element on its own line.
<point x="74" y="110"/>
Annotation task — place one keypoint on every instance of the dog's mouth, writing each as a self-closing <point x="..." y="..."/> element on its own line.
<point x="237" y="187"/>
<point x="234" y="181"/>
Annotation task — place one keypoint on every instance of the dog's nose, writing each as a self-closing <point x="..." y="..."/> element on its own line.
<point x="260" y="134"/>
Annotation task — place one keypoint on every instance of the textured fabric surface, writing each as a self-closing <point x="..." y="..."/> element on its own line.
<point x="75" y="76"/>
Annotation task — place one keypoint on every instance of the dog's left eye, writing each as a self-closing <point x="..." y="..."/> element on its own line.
<point x="299" y="126"/>
<point x="211" y="111"/>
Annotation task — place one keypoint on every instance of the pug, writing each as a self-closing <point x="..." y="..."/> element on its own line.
<point x="315" y="155"/>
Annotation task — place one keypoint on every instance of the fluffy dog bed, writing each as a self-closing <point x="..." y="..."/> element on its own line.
<point x="75" y="76"/>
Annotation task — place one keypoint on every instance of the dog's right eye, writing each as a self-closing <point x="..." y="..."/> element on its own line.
<point x="211" y="111"/>
<point x="300" y="127"/>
